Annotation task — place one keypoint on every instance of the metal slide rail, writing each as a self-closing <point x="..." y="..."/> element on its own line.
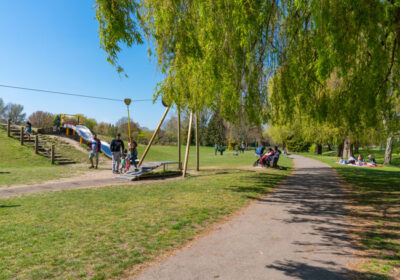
<point x="87" y="135"/>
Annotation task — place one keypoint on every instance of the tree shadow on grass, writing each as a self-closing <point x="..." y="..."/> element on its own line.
<point x="2" y="172"/>
<point x="9" y="206"/>
<point x="305" y="271"/>
<point x="262" y="182"/>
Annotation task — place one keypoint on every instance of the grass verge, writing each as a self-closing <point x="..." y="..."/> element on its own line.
<point x="20" y="165"/>
<point x="375" y="214"/>
<point x="108" y="232"/>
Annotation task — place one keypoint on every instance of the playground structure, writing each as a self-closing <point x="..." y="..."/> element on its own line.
<point x="86" y="135"/>
<point x="149" y="166"/>
<point x="79" y="121"/>
<point x="184" y="168"/>
<point x="249" y="141"/>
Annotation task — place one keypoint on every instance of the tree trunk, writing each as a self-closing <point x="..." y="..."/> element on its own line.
<point x="340" y="150"/>
<point x="388" y="151"/>
<point x="347" y="152"/>
<point x="318" y="149"/>
<point x="329" y="147"/>
<point x="356" y="147"/>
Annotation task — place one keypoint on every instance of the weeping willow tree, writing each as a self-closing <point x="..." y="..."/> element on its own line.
<point x="339" y="64"/>
<point x="329" y="62"/>
<point x="213" y="54"/>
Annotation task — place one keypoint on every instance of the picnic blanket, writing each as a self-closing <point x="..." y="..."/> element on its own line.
<point x="367" y="165"/>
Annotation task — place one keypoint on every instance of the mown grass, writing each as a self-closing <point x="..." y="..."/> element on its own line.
<point x="20" y="165"/>
<point x="375" y="211"/>
<point x="207" y="155"/>
<point x="107" y="232"/>
<point x="67" y="150"/>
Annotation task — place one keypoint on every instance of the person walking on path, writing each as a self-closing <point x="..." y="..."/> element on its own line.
<point x="216" y="148"/>
<point x="95" y="145"/>
<point x="116" y="146"/>
<point x="133" y="153"/>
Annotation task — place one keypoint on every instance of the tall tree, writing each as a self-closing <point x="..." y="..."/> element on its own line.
<point x="2" y="109"/>
<point x="41" y="119"/>
<point x="216" y="131"/>
<point x="14" y="112"/>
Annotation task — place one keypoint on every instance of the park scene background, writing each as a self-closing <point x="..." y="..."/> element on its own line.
<point x="318" y="79"/>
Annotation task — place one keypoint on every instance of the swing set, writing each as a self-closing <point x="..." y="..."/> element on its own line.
<point x="184" y="169"/>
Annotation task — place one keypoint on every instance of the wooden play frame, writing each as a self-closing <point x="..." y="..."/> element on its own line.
<point x="184" y="171"/>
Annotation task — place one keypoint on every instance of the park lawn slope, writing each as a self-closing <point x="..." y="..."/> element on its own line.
<point x="20" y="165"/>
<point x="108" y="232"/>
<point x="375" y="212"/>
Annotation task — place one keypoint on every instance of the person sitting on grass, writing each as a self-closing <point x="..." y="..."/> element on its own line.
<point x="352" y="160"/>
<point x="95" y="145"/>
<point x="360" y="160"/>
<point x="372" y="160"/>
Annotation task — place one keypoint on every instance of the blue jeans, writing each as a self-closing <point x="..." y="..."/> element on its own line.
<point x="133" y="160"/>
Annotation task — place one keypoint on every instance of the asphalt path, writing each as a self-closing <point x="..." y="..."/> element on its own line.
<point x="296" y="232"/>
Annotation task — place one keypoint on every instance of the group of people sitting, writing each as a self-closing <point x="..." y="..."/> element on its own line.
<point x="267" y="158"/>
<point x="360" y="161"/>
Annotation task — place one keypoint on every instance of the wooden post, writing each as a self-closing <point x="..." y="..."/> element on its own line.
<point x="152" y="137"/>
<point x="188" y="145"/>
<point x="36" y="144"/>
<point x="81" y="140"/>
<point x="197" y="143"/>
<point x="179" y="139"/>
<point x="9" y="128"/>
<point x="21" y="136"/>
<point x="52" y="153"/>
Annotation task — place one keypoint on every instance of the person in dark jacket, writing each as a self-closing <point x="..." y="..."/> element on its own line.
<point x="95" y="146"/>
<point x="116" y="146"/>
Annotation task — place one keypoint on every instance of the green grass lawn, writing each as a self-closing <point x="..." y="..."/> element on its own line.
<point x="67" y="150"/>
<point x="207" y="156"/>
<point x="376" y="210"/>
<point x="20" y="165"/>
<point x="107" y="232"/>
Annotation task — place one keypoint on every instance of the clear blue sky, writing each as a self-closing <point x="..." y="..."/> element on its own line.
<point x="54" y="45"/>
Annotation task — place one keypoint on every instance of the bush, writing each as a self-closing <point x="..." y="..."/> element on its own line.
<point x="297" y="144"/>
<point x="232" y="144"/>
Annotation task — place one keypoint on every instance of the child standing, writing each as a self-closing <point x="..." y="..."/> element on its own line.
<point x="123" y="162"/>
<point x="127" y="160"/>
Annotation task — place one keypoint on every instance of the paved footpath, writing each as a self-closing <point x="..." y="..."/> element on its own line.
<point x="297" y="232"/>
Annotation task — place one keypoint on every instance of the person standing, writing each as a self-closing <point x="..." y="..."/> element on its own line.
<point x="242" y="146"/>
<point x="28" y="129"/>
<point x="133" y="153"/>
<point x="216" y="148"/>
<point x="95" y="146"/>
<point x="116" y="146"/>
